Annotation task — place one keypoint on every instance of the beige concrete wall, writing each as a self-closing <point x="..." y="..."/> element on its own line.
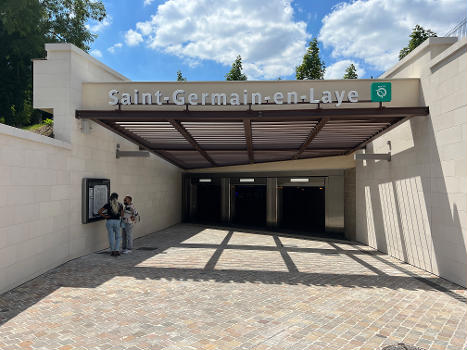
<point x="58" y="80"/>
<point x="334" y="203"/>
<point x="414" y="207"/>
<point x="40" y="178"/>
<point x="350" y="203"/>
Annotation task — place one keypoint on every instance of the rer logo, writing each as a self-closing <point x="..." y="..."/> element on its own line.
<point x="380" y="92"/>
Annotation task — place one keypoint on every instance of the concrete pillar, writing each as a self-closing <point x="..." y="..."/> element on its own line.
<point x="225" y="200"/>
<point x="193" y="201"/>
<point x="334" y="204"/>
<point x="271" y="202"/>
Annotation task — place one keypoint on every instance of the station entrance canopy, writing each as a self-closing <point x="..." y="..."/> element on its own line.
<point x="206" y="124"/>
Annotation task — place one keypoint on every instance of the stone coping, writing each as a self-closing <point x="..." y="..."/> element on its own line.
<point x="30" y="136"/>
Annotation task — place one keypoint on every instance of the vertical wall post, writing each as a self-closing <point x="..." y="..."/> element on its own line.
<point x="334" y="203"/>
<point x="193" y="201"/>
<point x="185" y="198"/>
<point x="271" y="202"/>
<point x="225" y="200"/>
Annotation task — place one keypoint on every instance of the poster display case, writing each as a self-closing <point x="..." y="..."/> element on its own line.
<point x="96" y="194"/>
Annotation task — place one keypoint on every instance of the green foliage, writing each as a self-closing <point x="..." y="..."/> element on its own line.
<point x="35" y="126"/>
<point x="37" y="115"/>
<point x="312" y="66"/>
<point x="236" y="70"/>
<point x="49" y="122"/>
<point x="20" y="40"/>
<point x="180" y="76"/>
<point x="25" y="26"/>
<point x="418" y="36"/>
<point x="351" y="72"/>
<point x="66" y="20"/>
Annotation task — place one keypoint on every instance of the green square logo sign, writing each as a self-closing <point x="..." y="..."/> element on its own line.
<point x="380" y="92"/>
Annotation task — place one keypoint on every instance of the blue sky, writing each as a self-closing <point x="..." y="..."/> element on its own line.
<point x="150" y="40"/>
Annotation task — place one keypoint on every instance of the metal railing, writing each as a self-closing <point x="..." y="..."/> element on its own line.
<point x="460" y="30"/>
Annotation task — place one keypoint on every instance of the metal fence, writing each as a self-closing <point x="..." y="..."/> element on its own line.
<point x="460" y="30"/>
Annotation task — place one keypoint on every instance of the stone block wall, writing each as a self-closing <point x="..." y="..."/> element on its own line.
<point x="414" y="207"/>
<point x="41" y="178"/>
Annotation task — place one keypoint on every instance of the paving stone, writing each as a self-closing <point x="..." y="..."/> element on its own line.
<point x="402" y="346"/>
<point x="213" y="288"/>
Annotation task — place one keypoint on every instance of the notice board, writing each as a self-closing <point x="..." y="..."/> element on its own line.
<point x="96" y="194"/>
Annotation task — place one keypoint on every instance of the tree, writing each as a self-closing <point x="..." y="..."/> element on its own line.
<point x="351" y="72"/>
<point x="312" y="66"/>
<point x="236" y="70"/>
<point x="65" y="20"/>
<point x="25" y="26"/>
<point x="21" y="40"/>
<point x="180" y="76"/>
<point x="418" y="36"/>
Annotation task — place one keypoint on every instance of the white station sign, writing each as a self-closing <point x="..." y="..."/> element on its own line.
<point x="182" y="97"/>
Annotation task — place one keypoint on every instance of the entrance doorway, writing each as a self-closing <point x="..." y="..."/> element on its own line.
<point x="297" y="204"/>
<point x="208" y="203"/>
<point x="249" y="205"/>
<point x="303" y="208"/>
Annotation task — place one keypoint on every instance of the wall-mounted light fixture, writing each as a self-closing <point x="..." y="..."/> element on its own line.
<point x="374" y="156"/>
<point x="140" y="154"/>
<point x="300" y="179"/>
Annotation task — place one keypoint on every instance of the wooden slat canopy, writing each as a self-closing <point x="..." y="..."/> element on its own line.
<point x="199" y="139"/>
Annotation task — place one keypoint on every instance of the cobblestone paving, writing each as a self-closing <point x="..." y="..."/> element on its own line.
<point x="206" y="288"/>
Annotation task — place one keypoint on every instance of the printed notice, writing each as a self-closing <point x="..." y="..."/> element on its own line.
<point x="101" y="196"/>
<point x="91" y="201"/>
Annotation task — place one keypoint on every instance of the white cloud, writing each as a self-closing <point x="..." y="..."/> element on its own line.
<point x="133" y="38"/>
<point x="148" y="2"/>
<point x="144" y="27"/>
<point x="114" y="47"/>
<point x="96" y="53"/>
<point x="337" y="70"/>
<point x="376" y="30"/>
<point x="264" y="33"/>
<point x="99" y="26"/>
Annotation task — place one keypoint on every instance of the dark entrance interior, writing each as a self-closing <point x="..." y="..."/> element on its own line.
<point x="303" y="208"/>
<point x="249" y="205"/>
<point x="208" y="203"/>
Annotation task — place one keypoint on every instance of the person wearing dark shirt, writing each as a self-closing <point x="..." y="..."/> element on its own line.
<point x="113" y="212"/>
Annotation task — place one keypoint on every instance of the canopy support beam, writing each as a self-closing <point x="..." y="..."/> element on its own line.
<point x="313" y="133"/>
<point x="249" y="139"/>
<point x="179" y="127"/>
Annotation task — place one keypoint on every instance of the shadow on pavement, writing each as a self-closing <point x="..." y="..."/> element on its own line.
<point x="93" y="270"/>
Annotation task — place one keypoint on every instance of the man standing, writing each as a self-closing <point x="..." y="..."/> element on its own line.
<point x="130" y="215"/>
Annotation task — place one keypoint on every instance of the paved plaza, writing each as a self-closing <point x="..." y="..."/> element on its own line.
<point x="220" y="288"/>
